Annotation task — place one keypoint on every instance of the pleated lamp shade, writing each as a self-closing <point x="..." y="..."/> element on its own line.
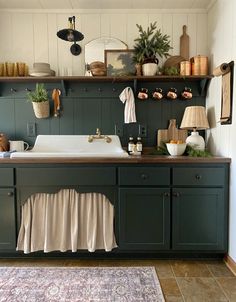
<point x="195" y="118"/>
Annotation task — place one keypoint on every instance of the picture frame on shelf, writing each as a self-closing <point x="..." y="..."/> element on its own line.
<point x="119" y="62"/>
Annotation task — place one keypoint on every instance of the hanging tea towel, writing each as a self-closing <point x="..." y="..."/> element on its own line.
<point x="127" y="96"/>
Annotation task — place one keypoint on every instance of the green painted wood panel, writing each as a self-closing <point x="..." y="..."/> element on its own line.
<point x="199" y="219"/>
<point x="89" y="105"/>
<point x="210" y="176"/>
<point x="7" y="220"/>
<point x="144" y="219"/>
<point x="64" y="176"/>
<point x="144" y="176"/>
<point x="7" y="117"/>
<point x="6" y="177"/>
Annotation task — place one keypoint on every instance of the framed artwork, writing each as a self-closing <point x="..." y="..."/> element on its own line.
<point x="119" y="62"/>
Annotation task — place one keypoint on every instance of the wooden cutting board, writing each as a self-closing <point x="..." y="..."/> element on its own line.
<point x="172" y="133"/>
<point x="184" y="44"/>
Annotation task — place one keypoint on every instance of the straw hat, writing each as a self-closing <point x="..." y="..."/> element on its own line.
<point x="41" y="70"/>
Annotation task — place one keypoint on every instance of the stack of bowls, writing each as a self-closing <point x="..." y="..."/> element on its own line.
<point x="41" y="70"/>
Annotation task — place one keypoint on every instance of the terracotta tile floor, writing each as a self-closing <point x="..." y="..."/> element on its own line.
<point x="181" y="280"/>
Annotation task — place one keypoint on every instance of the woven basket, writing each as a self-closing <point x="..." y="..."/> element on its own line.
<point x="41" y="109"/>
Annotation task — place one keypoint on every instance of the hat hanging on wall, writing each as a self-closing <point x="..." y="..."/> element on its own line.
<point x="71" y="35"/>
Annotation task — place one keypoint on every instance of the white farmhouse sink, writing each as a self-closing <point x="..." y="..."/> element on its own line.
<point x="73" y="146"/>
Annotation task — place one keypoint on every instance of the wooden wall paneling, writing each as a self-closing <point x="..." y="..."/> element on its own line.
<point x="202" y="34"/>
<point x="78" y="115"/>
<point x="54" y="126"/>
<point x="24" y="114"/>
<point x="119" y="27"/>
<point x="153" y="121"/>
<point x="7" y="117"/>
<point x="66" y="120"/>
<point x="23" y="37"/>
<point x="105" y="25"/>
<point x="107" y="124"/>
<point x="52" y="42"/>
<point x="6" y="44"/>
<point x="91" y="114"/>
<point x="178" y="21"/>
<point x="64" y="54"/>
<point x="78" y="62"/>
<point x="131" y="28"/>
<point x="192" y="32"/>
<point x="167" y="28"/>
<point x="41" y="47"/>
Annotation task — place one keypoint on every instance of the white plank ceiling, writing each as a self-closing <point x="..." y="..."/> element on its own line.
<point x="106" y="4"/>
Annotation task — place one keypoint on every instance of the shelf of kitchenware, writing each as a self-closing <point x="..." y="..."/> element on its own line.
<point x="203" y="80"/>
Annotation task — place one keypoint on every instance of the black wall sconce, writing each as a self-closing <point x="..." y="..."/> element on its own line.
<point x="71" y="35"/>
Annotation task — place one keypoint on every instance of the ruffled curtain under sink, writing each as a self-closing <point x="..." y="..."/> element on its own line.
<point x="67" y="221"/>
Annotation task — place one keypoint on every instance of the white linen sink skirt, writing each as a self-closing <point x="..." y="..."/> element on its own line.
<point x="66" y="221"/>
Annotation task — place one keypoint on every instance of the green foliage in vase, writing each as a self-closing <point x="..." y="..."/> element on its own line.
<point x="190" y="151"/>
<point x="40" y="94"/>
<point x="170" y="71"/>
<point x="150" y="45"/>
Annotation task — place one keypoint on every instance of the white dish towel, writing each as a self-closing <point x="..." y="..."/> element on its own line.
<point x="127" y="97"/>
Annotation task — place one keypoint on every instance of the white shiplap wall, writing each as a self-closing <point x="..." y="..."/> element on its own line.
<point x="222" y="48"/>
<point x="31" y="36"/>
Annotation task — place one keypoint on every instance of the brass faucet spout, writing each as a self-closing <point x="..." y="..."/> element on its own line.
<point x="99" y="136"/>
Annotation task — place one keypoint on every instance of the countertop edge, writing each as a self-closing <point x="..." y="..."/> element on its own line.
<point x="113" y="160"/>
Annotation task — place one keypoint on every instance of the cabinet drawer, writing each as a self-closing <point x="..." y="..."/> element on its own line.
<point x="148" y="176"/>
<point x="199" y="176"/>
<point x="65" y="176"/>
<point x="6" y="177"/>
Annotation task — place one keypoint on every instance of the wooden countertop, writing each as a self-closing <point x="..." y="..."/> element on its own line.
<point x="144" y="159"/>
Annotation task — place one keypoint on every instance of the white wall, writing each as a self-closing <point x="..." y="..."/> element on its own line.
<point x="31" y="36"/>
<point x="222" y="139"/>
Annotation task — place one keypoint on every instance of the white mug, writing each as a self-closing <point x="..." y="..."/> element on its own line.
<point x="18" y="146"/>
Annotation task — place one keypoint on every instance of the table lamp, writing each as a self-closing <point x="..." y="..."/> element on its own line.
<point x="195" y="118"/>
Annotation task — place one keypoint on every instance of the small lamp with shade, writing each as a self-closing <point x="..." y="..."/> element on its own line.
<point x="195" y="118"/>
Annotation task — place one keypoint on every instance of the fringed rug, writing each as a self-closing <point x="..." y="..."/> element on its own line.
<point x="83" y="284"/>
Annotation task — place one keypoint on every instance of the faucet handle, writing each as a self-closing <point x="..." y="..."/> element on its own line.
<point x="98" y="132"/>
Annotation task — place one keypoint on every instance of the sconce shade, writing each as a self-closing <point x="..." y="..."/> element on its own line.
<point x="195" y="118"/>
<point x="65" y="35"/>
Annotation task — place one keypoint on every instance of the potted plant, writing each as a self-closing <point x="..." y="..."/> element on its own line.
<point x="150" y="45"/>
<point x="40" y="102"/>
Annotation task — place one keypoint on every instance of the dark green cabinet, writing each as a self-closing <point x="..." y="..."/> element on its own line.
<point x="199" y="220"/>
<point x="144" y="218"/>
<point x="7" y="220"/>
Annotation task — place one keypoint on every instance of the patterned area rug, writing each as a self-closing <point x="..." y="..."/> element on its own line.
<point x="67" y="284"/>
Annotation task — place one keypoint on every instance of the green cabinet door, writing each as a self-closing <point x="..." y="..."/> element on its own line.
<point x="144" y="218"/>
<point x="199" y="219"/>
<point x="7" y="220"/>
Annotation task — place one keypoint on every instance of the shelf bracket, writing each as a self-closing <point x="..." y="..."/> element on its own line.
<point x="204" y="83"/>
<point x="135" y="86"/>
<point x="63" y="87"/>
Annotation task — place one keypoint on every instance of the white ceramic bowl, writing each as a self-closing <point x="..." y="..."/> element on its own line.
<point x="176" y="149"/>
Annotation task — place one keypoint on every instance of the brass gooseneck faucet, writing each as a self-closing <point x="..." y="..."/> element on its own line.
<point x="99" y="136"/>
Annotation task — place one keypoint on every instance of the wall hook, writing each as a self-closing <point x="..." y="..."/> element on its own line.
<point x="13" y="90"/>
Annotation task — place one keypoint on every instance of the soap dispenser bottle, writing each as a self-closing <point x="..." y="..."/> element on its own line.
<point x="139" y="144"/>
<point x="131" y="145"/>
